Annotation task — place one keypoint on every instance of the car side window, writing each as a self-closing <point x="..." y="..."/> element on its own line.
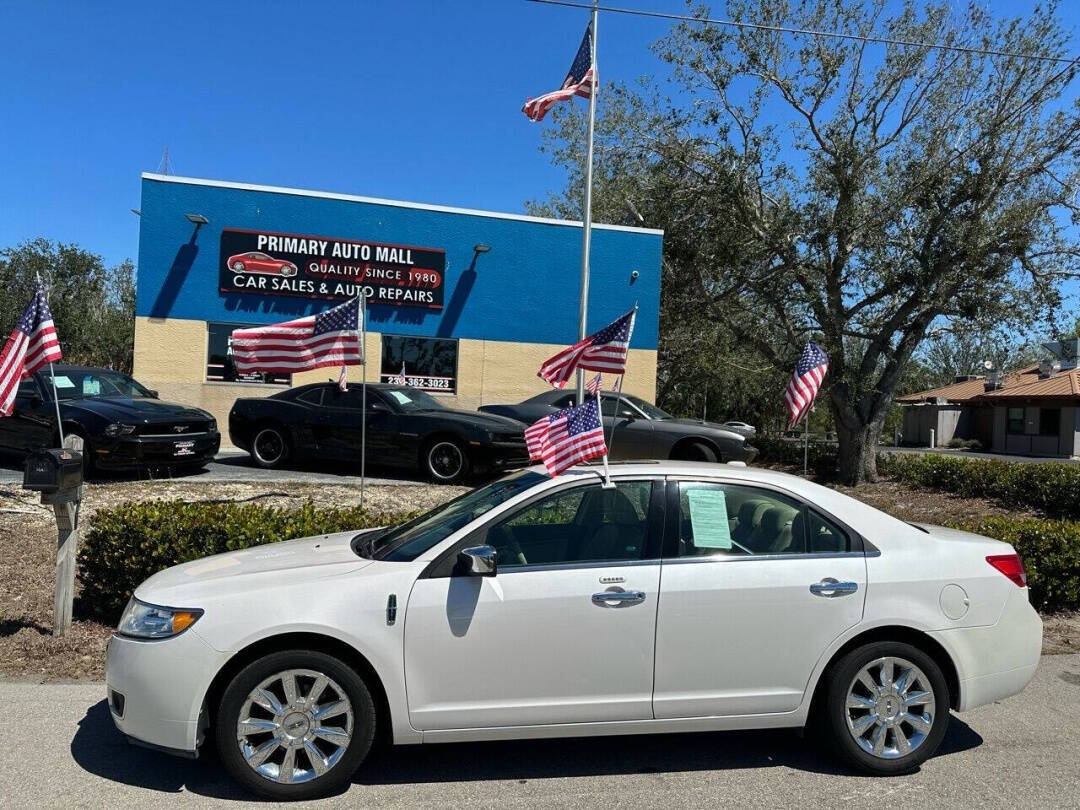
<point x="581" y="525"/>
<point x="312" y="397"/>
<point x="26" y="391"/>
<point x="824" y="536"/>
<point x="722" y="519"/>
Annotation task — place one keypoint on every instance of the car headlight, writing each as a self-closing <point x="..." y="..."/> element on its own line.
<point x="212" y="427"/>
<point x="141" y="620"/>
<point x="119" y="429"/>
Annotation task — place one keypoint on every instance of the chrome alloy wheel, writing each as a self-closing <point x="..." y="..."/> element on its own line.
<point x="446" y="460"/>
<point x="890" y="707"/>
<point x="269" y="446"/>
<point x="295" y="726"/>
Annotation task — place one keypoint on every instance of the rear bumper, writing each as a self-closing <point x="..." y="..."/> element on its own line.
<point x="131" y="452"/>
<point x="997" y="661"/>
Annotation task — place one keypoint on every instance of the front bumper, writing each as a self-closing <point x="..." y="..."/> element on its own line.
<point x="498" y="455"/>
<point x="130" y="452"/>
<point x="156" y="688"/>
<point x="996" y="661"/>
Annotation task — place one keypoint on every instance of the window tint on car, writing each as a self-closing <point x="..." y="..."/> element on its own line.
<point x="824" y="536"/>
<point x="729" y="519"/>
<point x="581" y="525"/>
<point x="27" y="389"/>
<point x="312" y="397"/>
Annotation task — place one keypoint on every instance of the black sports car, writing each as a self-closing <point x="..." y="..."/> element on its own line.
<point x="638" y="429"/>
<point x="123" y="424"/>
<point x="405" y="428"/>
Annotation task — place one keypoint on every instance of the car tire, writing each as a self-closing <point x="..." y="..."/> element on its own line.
<point x="694" y="451"/>
<point x="259" y="730"/>
<point x="238" y="267"/>
<point x="445" y="461"/>
<point x="270" y="446"/>
<point x="860" y="690"/>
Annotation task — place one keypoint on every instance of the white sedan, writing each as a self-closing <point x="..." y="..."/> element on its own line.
<point x="686" y="597"/>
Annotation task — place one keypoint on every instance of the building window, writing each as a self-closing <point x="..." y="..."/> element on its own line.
<point x="219" y="360"/>
<point x="1049" y="421"/>
<point x="428" y="364"/>
<point x="1014" y="421"/>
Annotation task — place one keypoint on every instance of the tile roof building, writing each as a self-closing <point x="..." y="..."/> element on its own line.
<point x="1032" y="411"/>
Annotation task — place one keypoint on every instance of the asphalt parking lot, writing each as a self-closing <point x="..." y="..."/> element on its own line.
<point x="61" y="750"/>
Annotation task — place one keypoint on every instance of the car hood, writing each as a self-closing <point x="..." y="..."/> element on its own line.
<point x="130" y="409"/>
<point x="705" y="425"/>
<point x="306" y="558"/>
<point x="486" y="421"/>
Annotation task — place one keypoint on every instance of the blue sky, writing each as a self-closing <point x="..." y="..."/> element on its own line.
<point x="407" y="99"/>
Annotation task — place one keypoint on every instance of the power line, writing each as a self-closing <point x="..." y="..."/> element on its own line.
<point x="806" y="31"/>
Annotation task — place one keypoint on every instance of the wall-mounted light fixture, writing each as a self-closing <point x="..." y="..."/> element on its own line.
<point x="197" y="219"/>
<point x="481" y="248"/>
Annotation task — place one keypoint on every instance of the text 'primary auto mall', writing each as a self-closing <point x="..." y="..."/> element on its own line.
<point x="468" y="303"/>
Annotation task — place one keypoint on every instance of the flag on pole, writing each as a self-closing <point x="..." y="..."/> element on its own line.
<point x="580" y="81"/>
<point x="342" y="379"/>
<point x="593" y="385"/>
<point x="331" y="338"/>
<point x="401" y="379"/>
<point x="32" y="344"/>
<point x="803" y="387"/>
<point x="567" y="437"/>
<point x="602" y="351"/>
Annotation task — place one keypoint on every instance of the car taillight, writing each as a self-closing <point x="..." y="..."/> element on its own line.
<point x="1011" y="566"/>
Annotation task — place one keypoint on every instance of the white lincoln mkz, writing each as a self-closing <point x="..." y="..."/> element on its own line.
<point x="686" y="597"/>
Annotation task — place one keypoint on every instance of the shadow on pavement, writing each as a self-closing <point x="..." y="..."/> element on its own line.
<point x="101" y="750"/>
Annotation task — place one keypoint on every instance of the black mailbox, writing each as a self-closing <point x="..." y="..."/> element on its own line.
<point x="53" y="469"/>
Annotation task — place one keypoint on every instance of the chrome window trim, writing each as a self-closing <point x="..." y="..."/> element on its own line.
<point x="572" y="566"/>
<point x="823" y="555"/>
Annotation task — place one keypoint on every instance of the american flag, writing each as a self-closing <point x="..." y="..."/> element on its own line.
<point x="566" y="437"/>
<point x="331" y="338"/>
<point x="602" y="351"/>
<point x="805" y="382"/>
<point x="580" y="81"/>
<point x="33" y="343"/>
<point x="593" y="385"/>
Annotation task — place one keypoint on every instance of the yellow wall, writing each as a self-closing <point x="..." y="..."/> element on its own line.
<point x="170" y="356"/>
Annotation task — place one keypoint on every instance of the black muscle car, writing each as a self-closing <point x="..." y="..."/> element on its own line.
<point x="637" y="429"/>
<point x="405" y="428"/>
<point x="123" y="424"/>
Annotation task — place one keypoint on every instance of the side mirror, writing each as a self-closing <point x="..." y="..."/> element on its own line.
<point x="153" y="393"/>
<point x="627" y="414"/>
<point x="478" y="561"/>
<point x="377" y="407"/>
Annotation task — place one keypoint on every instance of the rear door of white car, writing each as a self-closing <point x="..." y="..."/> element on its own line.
<point x="539" y="643"/>
<point x="755" y="585"/>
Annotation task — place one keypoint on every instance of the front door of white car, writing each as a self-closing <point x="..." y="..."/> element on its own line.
<point x="755" y="588"/>
<point x="564" y="633"/>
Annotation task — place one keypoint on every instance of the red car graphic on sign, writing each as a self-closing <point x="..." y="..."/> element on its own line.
<point x="255" y="262"/>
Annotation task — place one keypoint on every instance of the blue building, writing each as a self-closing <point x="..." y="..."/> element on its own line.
<point x="468" y="303"/>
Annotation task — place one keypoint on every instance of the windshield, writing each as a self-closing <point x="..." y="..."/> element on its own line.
<point x="93" y="383"/>
<point x="409" y="399"/>
<point x="648" y="408"/>
<point x="409" y="540"/>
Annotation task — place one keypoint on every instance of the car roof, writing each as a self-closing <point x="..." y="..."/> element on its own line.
<point x="71" y="367"/>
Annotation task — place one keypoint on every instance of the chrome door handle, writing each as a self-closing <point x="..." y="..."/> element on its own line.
<point x="830" y="587"/>
<point x="612" y="598"/>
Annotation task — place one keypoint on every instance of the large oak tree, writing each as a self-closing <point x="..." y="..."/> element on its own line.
<point x="861" y="194"/>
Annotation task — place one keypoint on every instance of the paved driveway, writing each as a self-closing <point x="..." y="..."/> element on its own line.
<point x="61" y="750"/>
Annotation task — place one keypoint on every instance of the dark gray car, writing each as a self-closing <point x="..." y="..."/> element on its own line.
<point x="641" y="430"/>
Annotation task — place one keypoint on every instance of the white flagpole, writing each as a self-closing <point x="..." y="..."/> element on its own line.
<point x="586" y="229"/>
<point x="363" y="393"/>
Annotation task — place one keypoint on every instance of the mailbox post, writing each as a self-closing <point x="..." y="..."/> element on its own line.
<point x="57" y="475"/>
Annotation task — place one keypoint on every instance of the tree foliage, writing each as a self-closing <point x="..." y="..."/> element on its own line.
<point x="860" y="194"/>
<point x="93" y="306"/>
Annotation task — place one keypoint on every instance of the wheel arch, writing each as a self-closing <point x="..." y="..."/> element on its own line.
<point x="894" y="632"/>
<point x="686" y="441"/>
<point x="435" y="435"/>
<point x="305" y="640"/>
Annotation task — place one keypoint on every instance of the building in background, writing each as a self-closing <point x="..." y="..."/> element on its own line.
<point x="468" y="302"/>
<point x="1034" y="411"/>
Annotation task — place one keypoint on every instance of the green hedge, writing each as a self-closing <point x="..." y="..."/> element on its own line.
<point x="1053" y="488"/>
<point x="772" y="450"/>
<point x="1050" y="550"/>
<point x="127" y="544"/>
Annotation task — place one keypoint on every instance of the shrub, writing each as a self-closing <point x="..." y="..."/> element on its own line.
<point x="1048" y="487"/>
<point x="127" y="544"/>
<point x="772" y="450"/>
<point x="1050" y="550"/>
<point x="965" y="444"/>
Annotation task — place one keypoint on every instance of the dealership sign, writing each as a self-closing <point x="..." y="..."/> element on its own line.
<point x="265" y="263"/>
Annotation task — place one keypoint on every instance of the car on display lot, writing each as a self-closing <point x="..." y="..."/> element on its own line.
<point x="406" y="428"/>
<point x="740" y="427"/>
<point x="255" y="262"/>
<point x="681" y="597"/>
<point x="637" y="429"/>
<point x="123" y="424"/>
